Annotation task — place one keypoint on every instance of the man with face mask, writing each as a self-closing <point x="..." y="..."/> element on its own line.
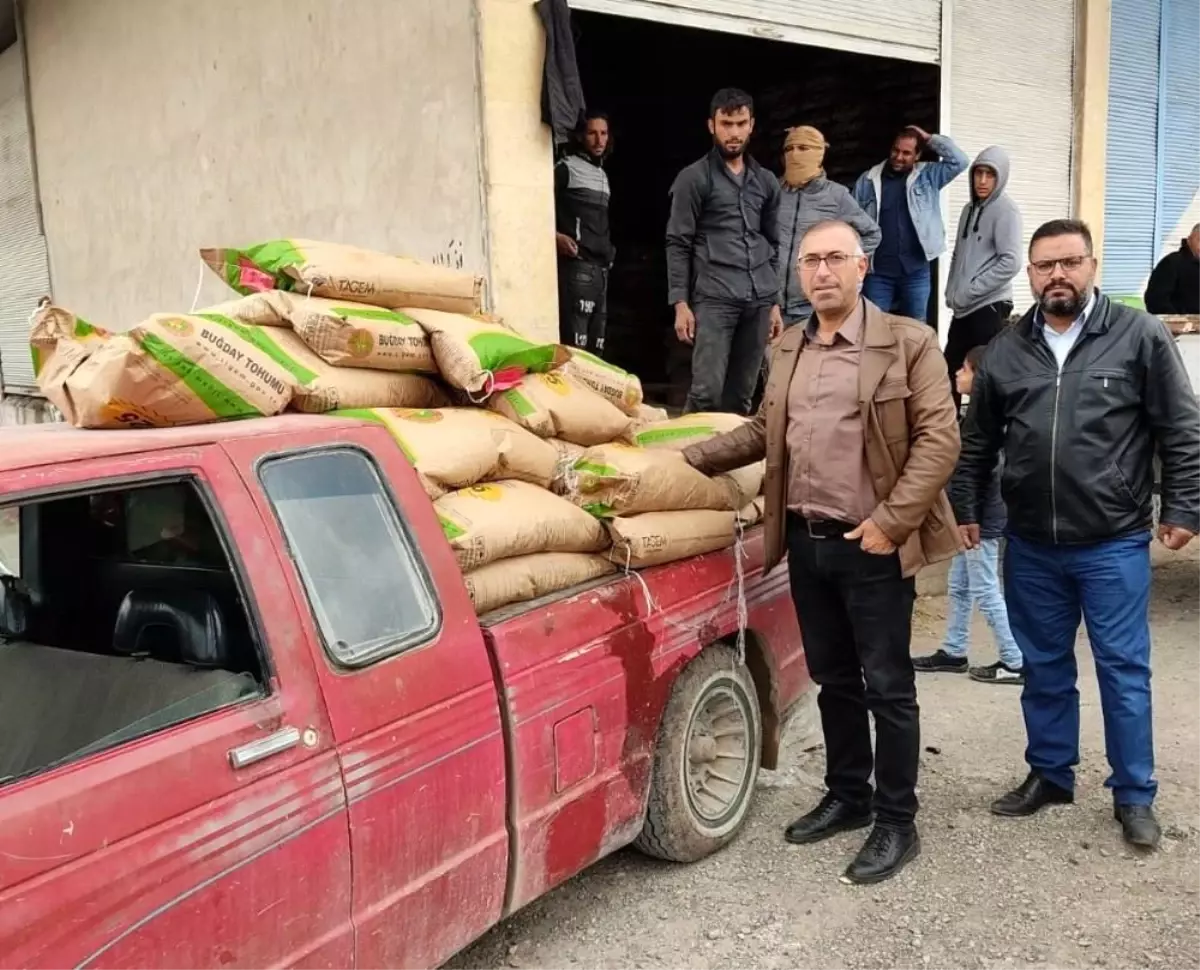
<point x="1080" y="395"/>
<point x="987" y="255"/>
<point x="808" y="198"/>
<point x="723" y="260"/>
<point x="903" y="195"/>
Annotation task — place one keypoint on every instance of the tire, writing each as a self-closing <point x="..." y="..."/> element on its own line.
<point x="683" y="825"/>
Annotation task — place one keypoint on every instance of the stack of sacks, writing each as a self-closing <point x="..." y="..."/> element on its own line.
<point x="656" y="506"/>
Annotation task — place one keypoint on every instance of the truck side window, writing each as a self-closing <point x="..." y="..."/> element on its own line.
<point x="367" y="589"/>
<point x="128" y="617"/>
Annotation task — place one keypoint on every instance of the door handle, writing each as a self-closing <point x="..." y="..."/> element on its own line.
<point x="272" y="744"/>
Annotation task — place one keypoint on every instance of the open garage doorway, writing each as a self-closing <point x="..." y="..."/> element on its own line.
<point x="655" y="81"/>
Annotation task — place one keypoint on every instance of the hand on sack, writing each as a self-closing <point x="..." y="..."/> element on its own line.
<point x="1175" y="537"/>
<point x="970" y="535"/>
<point x="874" y="539"/>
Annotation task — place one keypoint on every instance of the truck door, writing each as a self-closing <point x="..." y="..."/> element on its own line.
<point x="408" y="685"/>
<point x="169" y="788"/>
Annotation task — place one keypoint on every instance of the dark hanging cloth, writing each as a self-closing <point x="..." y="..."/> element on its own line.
<point x="562" y="92"/>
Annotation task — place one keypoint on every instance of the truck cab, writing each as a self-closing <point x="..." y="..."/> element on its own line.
<point x="249" y="717"/>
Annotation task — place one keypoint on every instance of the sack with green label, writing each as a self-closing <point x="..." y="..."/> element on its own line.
<point x="554" y="406"/>
<point x="615" y="385"/>
<point x="482" y="356"/>
<point x="345" y="273"/>
<point x="499" y="520"/>
<point x="454" y="448"/>
<point x="620" y="479"/>
<point x="677" y="433"/>
<point x="171" y="369"/>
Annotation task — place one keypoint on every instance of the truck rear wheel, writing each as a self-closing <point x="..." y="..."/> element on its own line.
<point x="705" y="761"/>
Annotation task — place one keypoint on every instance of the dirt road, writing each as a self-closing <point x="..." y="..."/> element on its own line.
<point x="1058" y="890"/>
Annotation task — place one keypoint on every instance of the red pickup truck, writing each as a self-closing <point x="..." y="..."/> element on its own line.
<point x="249" y="718"/>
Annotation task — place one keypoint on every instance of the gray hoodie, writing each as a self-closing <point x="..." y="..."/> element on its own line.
<point x="987" y="246"/>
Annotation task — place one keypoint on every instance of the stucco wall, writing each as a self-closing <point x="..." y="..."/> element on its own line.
<point x="164" y="125"/>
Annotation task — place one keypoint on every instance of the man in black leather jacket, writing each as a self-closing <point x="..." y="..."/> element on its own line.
<point x="1081" y="394"/>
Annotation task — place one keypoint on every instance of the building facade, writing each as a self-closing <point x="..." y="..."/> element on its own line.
<point x="134" y="131"/>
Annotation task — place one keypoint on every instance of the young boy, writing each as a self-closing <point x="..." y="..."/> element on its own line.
<point x="975" y="579"/>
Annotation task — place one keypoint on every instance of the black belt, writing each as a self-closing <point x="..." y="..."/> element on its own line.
<point x="825" y="528"/>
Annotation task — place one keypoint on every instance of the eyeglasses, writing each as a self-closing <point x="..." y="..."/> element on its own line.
<point x="834" y="261"/>
<point x="1044" y="267"/>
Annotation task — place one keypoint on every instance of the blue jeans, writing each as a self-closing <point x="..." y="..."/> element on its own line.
<point x="975" y="579"/>
<point x="906" y="296"/>
<point x="1047" y="588"/>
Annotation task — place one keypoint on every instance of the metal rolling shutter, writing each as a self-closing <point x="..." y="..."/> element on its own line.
<point x="1178" y="206"/>
<point x="1011" y="84"/>
<point x="905" y="29"/>
<point x="24" y="277"/>
<point x="1131" y="148"/>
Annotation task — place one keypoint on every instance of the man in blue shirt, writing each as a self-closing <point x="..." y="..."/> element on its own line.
<point x="902" y="196"/>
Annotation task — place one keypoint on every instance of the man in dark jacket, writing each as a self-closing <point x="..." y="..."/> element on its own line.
<point x="1080" y="395"/>
<point x="723" y="260"/>
<point x="585" y="249"/>
<point x="1174" y="285"/>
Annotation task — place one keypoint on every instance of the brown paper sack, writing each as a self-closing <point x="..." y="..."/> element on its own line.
<point x="499" y="520"/>
<point x="645" y="414"/>
<point x="525" y="578"/>
<point x="321" y="387"/>
<point x="617" y="386"/>
<point x="620" y="479"/>
<point x="677" y="433"/>
<point x="555" y="406"/>
<point x="753" y="513"/>
<point x="454" y="448"/>
<point x="171" y="369"/>
<point x="658" y="537"/>
<point x="270" y="308"/>
<point x="567" y="454"/>
<point x="744" y="483"/>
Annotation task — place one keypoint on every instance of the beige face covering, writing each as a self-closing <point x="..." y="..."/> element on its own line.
<point x="801" y="167"/>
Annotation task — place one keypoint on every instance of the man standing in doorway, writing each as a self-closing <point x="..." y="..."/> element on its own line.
<point x="723" y="260"/>
<point x="902" y="195"/>
<point x="808" y="198"/>
<point x="585" y="249"/>
<point x="1174" y="285"/>
<point x="1081" y="394"/>
<point x="987" y="255"/>
<point x="854" y="499"/>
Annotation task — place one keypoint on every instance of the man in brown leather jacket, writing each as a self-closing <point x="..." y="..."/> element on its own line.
<point x="860" y="437"/>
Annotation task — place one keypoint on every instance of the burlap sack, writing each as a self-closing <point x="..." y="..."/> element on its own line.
<point x="345" y="273"/>
<point x="615" y="385"/>
<point x="744" y="484"/>
<point x="457" y="447"/>
<point x="554" y="406"/>
<point x="678" y="433"/>
<point x="321" y="387"/>
<point x="567" y="454"/>
<point x="658" y="537"/>
<point x="753" y="513"/>
<point x="525" y="578"/>
<point x="482" y="356"/>
<point x="620" y="479"/>
<point x="499" y="520"/>
<point x="171" y="369"/>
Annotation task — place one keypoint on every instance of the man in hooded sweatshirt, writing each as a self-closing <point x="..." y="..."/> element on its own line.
<point x="987" y="257"/>
<point x="808" y="197"/>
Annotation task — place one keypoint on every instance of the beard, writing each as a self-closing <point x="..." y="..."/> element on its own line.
<point x="729" y="153"/>
<point x="1063" y="303"/>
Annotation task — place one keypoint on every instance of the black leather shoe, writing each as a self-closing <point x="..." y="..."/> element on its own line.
<point x="1034" y="794"/>
<point x="1139" y="825"/>
<point x="830" y="817"/>
<point x="885" y="853"/>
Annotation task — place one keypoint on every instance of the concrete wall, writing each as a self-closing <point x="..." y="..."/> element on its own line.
<point x="164" y="125"/>
<point x="519" y="168"/>
<point x="1093" y="23"/>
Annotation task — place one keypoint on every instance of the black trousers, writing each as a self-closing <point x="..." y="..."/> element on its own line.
<point x="727" y="356"/>
<point x="855" y="613"/>
<point x="975" y="329"/>
<point x="583" y="304"/>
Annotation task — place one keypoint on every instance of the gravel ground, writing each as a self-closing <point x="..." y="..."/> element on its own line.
<point x="1057" y="890"/>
